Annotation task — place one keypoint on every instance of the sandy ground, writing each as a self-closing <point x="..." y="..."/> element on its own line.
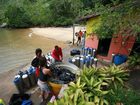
<point x="7" y="87"/>
<point x="61" y="34"/>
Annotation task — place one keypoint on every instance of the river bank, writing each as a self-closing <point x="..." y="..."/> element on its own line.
<point x="17" y="47"/>
<point x="57" y="33"/>
<point x="7" y="87"/>
<point x="53" y="36"/>
<point x="44" y="38"/>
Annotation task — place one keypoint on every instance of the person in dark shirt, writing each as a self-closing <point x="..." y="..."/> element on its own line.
<point x="35" y="61"/>
<point x="79" y="36"/>
<point x="44" y="75"/>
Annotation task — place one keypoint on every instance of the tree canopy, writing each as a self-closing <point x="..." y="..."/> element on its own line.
<point x="122" y="18"/>
<point x="117" y="16"/>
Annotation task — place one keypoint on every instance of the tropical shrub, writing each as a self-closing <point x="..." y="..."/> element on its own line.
<point x="94" y="86"/>
<point x="123" y="95"/>
<point x="115" y="75"/>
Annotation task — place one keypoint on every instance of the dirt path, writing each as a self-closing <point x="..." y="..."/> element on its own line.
<point x="58" y="35"/>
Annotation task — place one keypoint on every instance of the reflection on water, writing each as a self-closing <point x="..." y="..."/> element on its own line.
<point x="17" y="47"/>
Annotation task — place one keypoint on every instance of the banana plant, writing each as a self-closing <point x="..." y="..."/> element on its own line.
<point x="88" y="72"/>
<point x="89" y="89"/>
<point x="75" y="92"/>
<point x="93" y="85"/>
<point x="115" y="75"/>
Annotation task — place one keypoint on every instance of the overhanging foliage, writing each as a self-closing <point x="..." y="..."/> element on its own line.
<point x="117" y="18"/>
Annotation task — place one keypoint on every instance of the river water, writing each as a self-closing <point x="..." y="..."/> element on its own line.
<point x="17" y="47"/>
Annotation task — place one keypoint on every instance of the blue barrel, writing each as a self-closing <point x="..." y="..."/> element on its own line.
<point x="32" y="77"/>
<point x="89" y="55"/>
<point x="83" y="51"/>
<point x="119" y="59"/>
<point x="87" y="62"/>
<point x="19" y="84"/>
<point x="90" y="51"/>
<point x="82" y="62"/>
<point x="91" y="61"/>
<point x="86" y="51"/>
<point x="26" y="82"/>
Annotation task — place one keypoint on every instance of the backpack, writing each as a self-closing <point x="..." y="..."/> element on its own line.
<point x="16" y="99"/>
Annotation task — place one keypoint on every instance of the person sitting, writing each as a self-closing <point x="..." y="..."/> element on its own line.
<point x="57" y="54"/>
<point x="43" y="78"/>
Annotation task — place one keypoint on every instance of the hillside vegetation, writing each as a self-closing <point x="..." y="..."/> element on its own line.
<point x="29" y="13"/>
<point x="117" y="16"/>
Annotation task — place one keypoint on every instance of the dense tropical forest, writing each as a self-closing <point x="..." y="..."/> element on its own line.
<point x="115" y="15"/>
<point x="26" y="13"/>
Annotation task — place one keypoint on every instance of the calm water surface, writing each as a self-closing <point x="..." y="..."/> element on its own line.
<point x="17" y="47"/>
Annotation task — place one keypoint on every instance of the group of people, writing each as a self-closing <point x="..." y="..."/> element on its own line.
<point x="43" y="72"/>
<point x="80" y="38"/>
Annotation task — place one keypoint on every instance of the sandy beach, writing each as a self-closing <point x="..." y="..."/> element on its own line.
<point x="55" y="35"/>
<point x="59" y="33"/>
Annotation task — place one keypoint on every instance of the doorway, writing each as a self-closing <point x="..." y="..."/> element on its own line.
<point x="103" y="46"/>
<point x="136" y="46"/>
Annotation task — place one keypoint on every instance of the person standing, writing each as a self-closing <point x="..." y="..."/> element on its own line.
<point x="35" y="61"/>
<point x="57" y="54"/>
<point x="80" y="34"/>
<point x="44" y="75"/>
<point x="83" y="39"/>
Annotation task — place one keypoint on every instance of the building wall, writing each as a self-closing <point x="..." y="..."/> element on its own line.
<point x="92" y="40"/>
<point x="119" y="44"/>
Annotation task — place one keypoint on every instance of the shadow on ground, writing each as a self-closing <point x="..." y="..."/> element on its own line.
<point x="134" y="79"/>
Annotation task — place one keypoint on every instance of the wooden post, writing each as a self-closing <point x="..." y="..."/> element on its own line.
<point x="73" y="33"/>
